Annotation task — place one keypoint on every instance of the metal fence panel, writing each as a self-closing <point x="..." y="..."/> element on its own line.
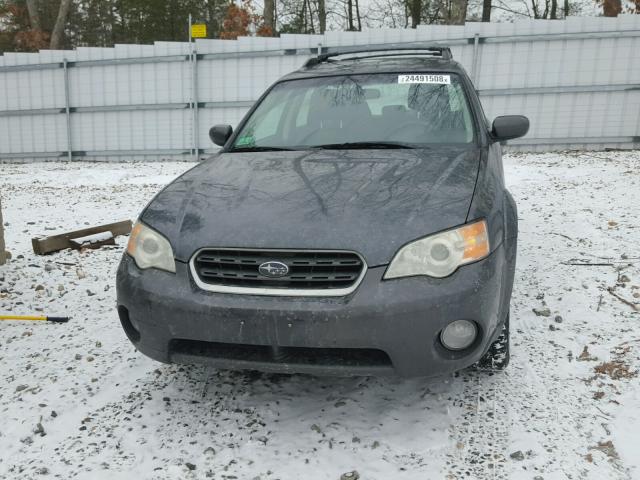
<point x="578" y="81"/>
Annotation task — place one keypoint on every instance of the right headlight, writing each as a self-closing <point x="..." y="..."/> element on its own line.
<point x="441" y="254"/>
<point x="150" y="249"/>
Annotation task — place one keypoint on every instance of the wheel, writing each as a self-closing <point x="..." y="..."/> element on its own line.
<point x="497" y="357"/>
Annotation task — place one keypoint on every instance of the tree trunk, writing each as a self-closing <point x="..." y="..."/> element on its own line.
<point x="350" y="15"/>
<point x="415" y="11"/>
<point x="554" y="10"/>
<point x="322" y="16"/>
<point x="312" y="29"/>
<point x="534" y="7"/>
<point x="34" y="15"/>
<point x="458" y="12"/>
<point x="57" y="34"/>
<point x="611" y="8"/>
<point x="303" y="16"/>
<point x="269" y="16"/>
<point x="406" y="15"/>
<point x="486" y="10"/>
<point x="358" y="15"/>
<point x="566" y="8"/>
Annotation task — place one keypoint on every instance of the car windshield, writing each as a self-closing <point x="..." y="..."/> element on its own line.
<point x="360" y="111"/>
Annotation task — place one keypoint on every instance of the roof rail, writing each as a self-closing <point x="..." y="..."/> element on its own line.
<point x="418" y="48"/>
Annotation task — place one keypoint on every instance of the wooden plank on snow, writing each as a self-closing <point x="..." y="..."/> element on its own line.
<point x="42" y="246"/>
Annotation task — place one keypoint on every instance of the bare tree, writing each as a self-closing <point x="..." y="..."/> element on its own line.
<point x="44" y="35"/>
<point x="269" y="15"/>
<point x="310" y="10"/>
<point x="322" y="15"/>
<point x="415" y="12"/>
<point x="307" y="17"/>
<point x="455" y="12"/>
<point x="34" y="14"/>
<point x="57" y="34"/>
<point x="537" y="13"/>
<point x="351" y="27"/>
<point x="386" y="13"/>
<point x="486" y="10"/>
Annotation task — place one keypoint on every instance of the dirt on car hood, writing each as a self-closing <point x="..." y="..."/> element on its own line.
<point x="368" y="201"/>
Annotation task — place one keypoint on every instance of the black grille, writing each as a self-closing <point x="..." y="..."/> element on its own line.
<point x="346" y="357"/>
<point x="310" y="270"/>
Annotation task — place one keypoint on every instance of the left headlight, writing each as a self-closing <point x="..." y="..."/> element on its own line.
<point x="441" y="254"/>
<point x="150" y="249"/>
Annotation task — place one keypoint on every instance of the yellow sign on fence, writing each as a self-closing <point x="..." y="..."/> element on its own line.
<point x="198" y="30"/>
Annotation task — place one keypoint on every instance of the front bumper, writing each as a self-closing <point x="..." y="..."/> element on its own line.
<point x="395" y="324"/>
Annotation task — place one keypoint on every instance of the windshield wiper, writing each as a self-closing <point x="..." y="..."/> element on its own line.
<point x="261" y="149"/>
<point x="361" y="145"/>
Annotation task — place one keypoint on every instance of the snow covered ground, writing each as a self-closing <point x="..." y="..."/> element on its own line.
<point x="77" y="401"/>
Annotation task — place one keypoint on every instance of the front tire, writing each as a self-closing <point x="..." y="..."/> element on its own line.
<point x="498" y="355"/>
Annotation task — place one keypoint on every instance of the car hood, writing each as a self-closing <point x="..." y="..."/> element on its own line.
<point x="368" y="201"/>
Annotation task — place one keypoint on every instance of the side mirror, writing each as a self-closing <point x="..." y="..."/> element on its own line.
<point x="219" y="134"/>
<point x="509" y="126"/>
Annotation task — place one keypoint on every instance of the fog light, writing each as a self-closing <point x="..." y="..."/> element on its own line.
<point x="459" y="334"/>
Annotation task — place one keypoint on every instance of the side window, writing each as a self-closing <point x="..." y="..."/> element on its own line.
<point x="269" y="123"/>
<point x="265" y="121"/>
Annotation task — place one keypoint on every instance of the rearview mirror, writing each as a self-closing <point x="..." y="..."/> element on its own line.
<point x="219" y="134"/>
<point x="509" y="126"/>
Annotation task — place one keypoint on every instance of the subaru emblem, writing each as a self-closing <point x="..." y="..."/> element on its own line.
<point x="273" y="269"/>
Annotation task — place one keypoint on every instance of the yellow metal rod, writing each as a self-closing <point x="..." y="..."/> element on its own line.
<point x="22" y="317"/>
<point x="39" y="318"/>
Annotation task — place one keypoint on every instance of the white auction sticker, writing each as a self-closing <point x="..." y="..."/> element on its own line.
<point x="425" y="78"/>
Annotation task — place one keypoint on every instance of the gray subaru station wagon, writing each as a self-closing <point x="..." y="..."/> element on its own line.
<point x="355" y="223"/>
